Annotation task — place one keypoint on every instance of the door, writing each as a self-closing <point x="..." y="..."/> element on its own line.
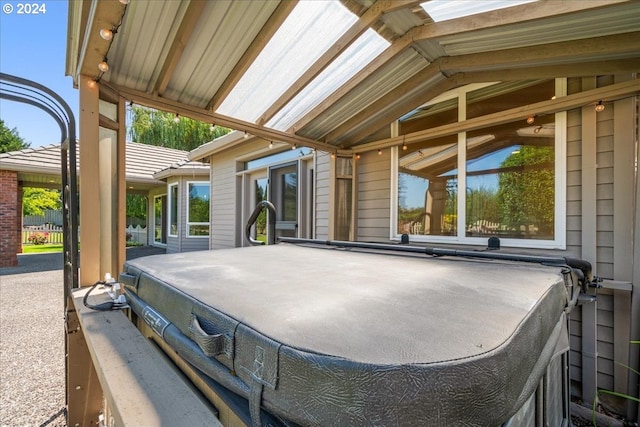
<point x="283" y="191"/>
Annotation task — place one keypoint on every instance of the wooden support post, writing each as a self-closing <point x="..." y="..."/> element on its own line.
<point x="623" y="180"/>
<point x="90" y="212"/>
<point x="589" y="246"/>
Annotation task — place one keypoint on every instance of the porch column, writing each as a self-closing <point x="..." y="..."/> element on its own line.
<point x="89" y="183"/>
<point x="102" y="183"/>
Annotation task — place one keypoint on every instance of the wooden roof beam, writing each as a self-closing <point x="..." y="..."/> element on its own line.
<point x="205" y="115"/>
<point x="363" y="23"/>
<point x="565" y="58"/>
<point x="370" y="69"/>
<point x="423" y="85"/>
<point x="577" y="100"/>
<point x="266" y="33"/>
<point x="180" y="41"/>
<point x="613" y="47"/>
<point x="501" y="17"/>
<point x="94" y="49"/>
<point x="578" y="69"/>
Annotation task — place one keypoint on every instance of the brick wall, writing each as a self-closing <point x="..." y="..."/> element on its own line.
<point x="10" y="218"/>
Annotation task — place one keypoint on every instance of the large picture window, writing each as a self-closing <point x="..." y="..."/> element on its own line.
<point x="198" y="209"/>
<point x="173" y="210"/>
<point x="504" y="180"/>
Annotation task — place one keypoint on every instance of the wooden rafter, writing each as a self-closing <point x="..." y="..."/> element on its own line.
<point x="579" y="69"/>
<point x="266" y="33"/>
<point x="185" y="30"/>
<point x="501" y="17"/>
<point x="432" y="31"/>
<point x="610" y="47"/>
<point x="564" y="60"/>
<point x="205" y="115"/>
<point x="351" y="35"/>
<point x="607" y="93"/>
<point x="377" y="64"/>
<point x="423" y="85"/>
<point x="93" y="48"/>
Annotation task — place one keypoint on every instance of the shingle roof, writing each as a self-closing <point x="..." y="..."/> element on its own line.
<point x="183" y="168"/>
<point x="142" y="161"/>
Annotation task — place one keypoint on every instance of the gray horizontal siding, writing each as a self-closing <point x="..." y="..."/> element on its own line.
<point x="323" y="181"/>
<point x="374" y="195"/>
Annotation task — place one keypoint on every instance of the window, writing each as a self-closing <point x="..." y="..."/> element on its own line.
<point x="198" y="209"/>
<point x="173" y="210"/>
<point x="503" y="180"/>
<point x="344" y="198"/>
<point x="160" y="219"/>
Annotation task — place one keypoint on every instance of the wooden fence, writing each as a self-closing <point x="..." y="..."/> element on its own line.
<point x="51" y="233"/>
<point x="137" y="234"/>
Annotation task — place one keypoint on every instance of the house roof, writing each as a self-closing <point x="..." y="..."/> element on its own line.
<point x="335" y="75"/>
<point x="184" y="168"/>
<point x="40" y="166"/>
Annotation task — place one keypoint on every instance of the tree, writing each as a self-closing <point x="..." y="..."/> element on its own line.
<point x="136" y="207"/>
<point x="159" y="128"/>
<point x="526" y="195"/>
<point x="10" y="140"/>
<point x="36" y="200"/>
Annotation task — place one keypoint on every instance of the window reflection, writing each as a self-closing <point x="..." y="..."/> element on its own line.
<point x="510" y="181"/>
<point x="427" y="188"/>
<point x="198" y="209"/>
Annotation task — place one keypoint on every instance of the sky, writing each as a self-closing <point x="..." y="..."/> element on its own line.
<point x="33" y="46"/>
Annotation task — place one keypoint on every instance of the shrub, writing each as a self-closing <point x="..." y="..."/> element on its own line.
<point x="38" y="238"/>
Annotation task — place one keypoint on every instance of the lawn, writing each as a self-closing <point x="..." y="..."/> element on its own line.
<point x="36" y="249"/>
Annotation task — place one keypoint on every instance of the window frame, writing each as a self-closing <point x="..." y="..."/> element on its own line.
<point x="560" y="196"/>
<point x="170" y="209"/>
<point x="188" y="223"/>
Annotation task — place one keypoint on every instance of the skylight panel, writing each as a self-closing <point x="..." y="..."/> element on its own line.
<point x="350" y="62"/>
<point x="442" y="10"/>
<point x="307" y="33"/>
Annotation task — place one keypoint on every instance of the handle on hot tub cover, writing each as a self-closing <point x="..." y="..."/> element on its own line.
<point x="211" y="345"/>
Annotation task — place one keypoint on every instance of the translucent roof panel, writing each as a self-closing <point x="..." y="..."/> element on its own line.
<point x="442" y="10"/>
<point x="307" y="33"/>
<point x="350" y="62"/>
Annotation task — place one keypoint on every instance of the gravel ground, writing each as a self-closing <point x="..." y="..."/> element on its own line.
<point x="32" y="378"/>
<point x="32" y="371"/>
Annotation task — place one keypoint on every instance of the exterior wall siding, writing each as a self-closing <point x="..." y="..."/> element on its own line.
<point x="609" y="323"/>
<point x="374" y="195"/>
<point x="182" y="243"/>
<point x="226" y="191"/>
<point x="323" y="182"/>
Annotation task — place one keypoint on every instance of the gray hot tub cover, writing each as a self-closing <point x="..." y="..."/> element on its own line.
<point x="328" y="337"/>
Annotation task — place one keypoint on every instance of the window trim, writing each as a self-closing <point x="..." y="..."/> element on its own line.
<point x="153" y="210"/>
<point x="560" y="188"/>
<point x="187" y="222"/>
<point x="170" y="209"/>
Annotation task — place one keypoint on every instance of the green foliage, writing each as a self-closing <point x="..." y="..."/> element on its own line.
<point x="136" y="206"/>
<point x="614" y="393"/>
<point x="261" y="221"/>
<point x="482" y="205"/>
<point x="159" y="128"/>
<point x="10" y="140"/>
<point x="526" y="196"/>
<point x="198" y="209"/>
<point x="36" y="200"/>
